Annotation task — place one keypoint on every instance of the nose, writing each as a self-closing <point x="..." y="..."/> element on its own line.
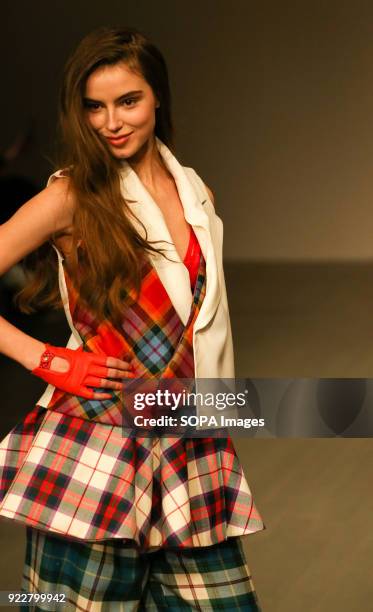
<point x="114" y="121"/>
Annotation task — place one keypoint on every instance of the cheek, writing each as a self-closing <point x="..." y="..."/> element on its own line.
<point x="96" y="121"/>
<point x="141" y="116"/>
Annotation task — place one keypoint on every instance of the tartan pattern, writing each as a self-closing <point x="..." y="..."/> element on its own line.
<point x="15" y="446"/>
<point x="70" y="469"/>
<point x="112" y="576"/>
<point x="152" y="336"/>
<point x="85" y="480"/>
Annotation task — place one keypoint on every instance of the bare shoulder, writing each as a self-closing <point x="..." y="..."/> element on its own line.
<point x="35" y="222"/>
<point x="59" y="197"/>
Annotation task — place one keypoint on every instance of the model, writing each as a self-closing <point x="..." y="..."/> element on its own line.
<point x="127" y="240"/>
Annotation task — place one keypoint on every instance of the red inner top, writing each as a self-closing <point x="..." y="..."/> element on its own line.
<point x="191" y="259"/>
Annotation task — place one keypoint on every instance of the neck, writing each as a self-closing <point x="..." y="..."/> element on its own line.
<point x="147" y="162"/>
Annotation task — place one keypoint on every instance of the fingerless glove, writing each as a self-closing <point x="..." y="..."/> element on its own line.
<point x="85" y="369"/>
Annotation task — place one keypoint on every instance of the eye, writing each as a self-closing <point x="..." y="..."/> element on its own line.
<point x="93" y="106"/>
<point x="124" y="102"/>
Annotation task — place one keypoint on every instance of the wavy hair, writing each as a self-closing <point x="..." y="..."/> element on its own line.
<point x="114" y="251"/>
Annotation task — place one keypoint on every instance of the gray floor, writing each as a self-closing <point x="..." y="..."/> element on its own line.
<point x="313" y="494"/>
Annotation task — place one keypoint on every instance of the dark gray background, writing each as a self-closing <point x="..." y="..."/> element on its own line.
<point x="273" y="108"/>
<point x="272" y="104"/>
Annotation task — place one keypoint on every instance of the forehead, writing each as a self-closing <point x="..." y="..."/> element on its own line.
<point x="108" y="82"/>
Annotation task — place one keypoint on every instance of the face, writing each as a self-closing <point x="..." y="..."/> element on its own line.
<point x="120" y="106"/>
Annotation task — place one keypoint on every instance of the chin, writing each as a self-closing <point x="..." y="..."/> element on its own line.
<point x="120" y="153"/>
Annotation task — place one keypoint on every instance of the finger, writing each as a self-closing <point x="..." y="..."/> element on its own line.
<point x="98" y="371"/>
<point x="90" y="394"/>
<point x="107" y="372"/>
<point x="109" y="361"/>
<point x="125" y="374"/>
<point x="101" y="396"/>
<point x="114" y="362"/>
<point x="115" y="373"/>
<point x="98" y="358"/>
<point x="86" y="393"/>
<point x="102" y="382"/>
<point x="101" y="372"/>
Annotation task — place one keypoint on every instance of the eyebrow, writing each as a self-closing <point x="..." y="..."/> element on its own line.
<point x="125" y="95"/>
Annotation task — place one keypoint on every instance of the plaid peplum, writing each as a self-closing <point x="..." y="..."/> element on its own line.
<point x="71" y="470"/>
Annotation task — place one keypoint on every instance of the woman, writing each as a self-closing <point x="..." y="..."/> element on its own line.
<point x="116" y="521"/>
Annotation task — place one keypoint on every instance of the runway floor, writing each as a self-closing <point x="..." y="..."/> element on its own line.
<point x="288" y="320"/>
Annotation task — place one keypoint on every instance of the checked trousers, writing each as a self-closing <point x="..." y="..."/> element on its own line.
<point x="113" y="576"/>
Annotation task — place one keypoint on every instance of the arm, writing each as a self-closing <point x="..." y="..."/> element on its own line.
<point x="49" y="211"/>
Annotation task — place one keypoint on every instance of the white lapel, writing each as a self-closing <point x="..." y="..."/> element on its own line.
<point x="174" y="275"/>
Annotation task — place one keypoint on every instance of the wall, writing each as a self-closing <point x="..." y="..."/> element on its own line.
<point x="272" y="105"/>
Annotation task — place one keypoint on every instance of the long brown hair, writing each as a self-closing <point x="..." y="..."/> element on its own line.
<point x="113" y="250"/>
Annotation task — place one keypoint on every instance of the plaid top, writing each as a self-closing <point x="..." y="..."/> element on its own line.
<point x="152" y="337"/>
<point x="70" y="469"/>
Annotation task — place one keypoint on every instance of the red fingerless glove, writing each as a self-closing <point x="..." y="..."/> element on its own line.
<point x="85" y="369"/>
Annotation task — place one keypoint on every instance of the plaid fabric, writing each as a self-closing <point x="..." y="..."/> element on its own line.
<point x="85" y="480"/>
<point x="113" y="576"/>
<point x="153" y="337"/>
<point x="69" y="468"/>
